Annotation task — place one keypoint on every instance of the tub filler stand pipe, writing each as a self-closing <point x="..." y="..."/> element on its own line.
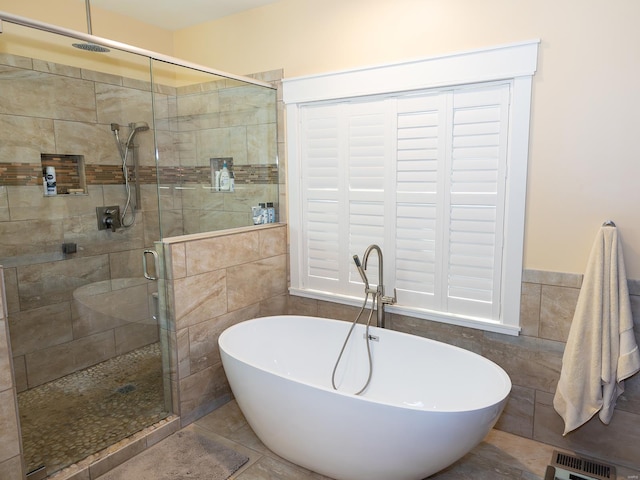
<point x="378" y="301"/>
<point x="380" y="298"/>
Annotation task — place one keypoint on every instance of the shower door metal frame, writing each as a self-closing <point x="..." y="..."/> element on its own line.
<point x="28" y="22"/>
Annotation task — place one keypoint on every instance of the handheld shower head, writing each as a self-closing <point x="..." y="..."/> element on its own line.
<point x="363" y="275"/>
<point x="135" y="128"/>
<point x="139" y="126"/>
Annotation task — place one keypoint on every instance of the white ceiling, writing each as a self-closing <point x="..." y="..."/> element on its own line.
<point x="177" y="14"/>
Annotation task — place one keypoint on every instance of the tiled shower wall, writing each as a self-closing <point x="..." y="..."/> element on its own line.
<point x="54" y="109"/>
<point x="533" y="360"/>
<point x="53" y="331"/>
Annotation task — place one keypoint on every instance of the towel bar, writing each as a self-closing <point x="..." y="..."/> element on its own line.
<point x="609" y="223"/>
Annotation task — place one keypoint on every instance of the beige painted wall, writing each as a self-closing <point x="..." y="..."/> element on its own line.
<point x="71" y="14"/>
<point x="585" y="159"/>
<point x="584" y="164"/>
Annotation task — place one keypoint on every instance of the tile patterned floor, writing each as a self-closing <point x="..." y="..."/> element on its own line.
<point x="70" y="418"/>
<point x="501" y="456"/>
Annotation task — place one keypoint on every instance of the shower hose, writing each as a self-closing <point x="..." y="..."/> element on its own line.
<point x="368" y="339"/>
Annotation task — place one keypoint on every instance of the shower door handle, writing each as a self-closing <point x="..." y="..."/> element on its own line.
<point x="155" y="264"/>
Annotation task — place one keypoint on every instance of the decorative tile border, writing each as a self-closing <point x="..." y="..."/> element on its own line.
<point x="30" y="174"/>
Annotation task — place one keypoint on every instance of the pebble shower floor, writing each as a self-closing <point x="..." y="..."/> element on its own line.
<point x="68" y="419"/>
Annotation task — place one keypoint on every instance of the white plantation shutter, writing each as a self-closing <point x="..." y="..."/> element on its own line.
<point x="433" y="174"/>
<point x="321" y="181"/>
<point x="476" y="165"/>
<point x="446" y="151"/>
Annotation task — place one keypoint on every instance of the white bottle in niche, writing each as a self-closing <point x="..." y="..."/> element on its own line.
<point x="50" y="179"/>
<point x="225" y="179"/>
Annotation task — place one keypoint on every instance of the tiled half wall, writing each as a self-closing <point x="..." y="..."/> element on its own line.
<point x="215" y="280"/>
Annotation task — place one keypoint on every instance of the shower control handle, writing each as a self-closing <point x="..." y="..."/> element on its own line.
<point x="108" y="218"/>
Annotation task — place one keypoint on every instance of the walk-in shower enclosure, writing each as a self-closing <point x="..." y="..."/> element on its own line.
<point x="76" y="292"/>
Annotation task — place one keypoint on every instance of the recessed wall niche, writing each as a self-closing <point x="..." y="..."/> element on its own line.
<point x="69" y="170"/>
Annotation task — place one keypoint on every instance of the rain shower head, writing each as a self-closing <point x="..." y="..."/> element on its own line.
<point x="90" y="47"/>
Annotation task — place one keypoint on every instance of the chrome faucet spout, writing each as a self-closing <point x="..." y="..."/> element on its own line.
<point x="380" y="299"/>
<point x="378" y="250"/>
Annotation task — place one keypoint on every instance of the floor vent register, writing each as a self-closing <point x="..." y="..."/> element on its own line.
<point x="570" y="467"/>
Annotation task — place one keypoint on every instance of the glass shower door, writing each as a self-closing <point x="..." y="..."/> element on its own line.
<point x="84" y="335"/>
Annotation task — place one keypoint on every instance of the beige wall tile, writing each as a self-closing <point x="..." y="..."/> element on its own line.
<point x="6" y="377"/>
<point x="4" y="204"/>
<point x="178" y="255"/>
<point x="184" y="353"/>
<point x="558" y="279"/>
<point x="467" y="338"/>
<point x="126" y="264"/>
<point x="33" y="330"/>
<point x="530" y="309"/>
<point x="202" y="392"/>
<point x="616" y="443"/>
<point x="11" y="289"/>
<point x="24" y="138"/>
<point x="11" y="469"/>
<point x="530" y="362"/>
<point x="338" y="311"/>
<point x="517" y="416"/>
<point x="20" y="373"/>
<point x="206" y="221"/>
<point x="60" y="360"/>
<point x="557" y="307"/>
<point x="203" y="337"/>
<point x="59" y="97"/>
<point x="220" y="252"/>
<point x="134" y="335"/>
<point x="256" y="281"/>
<point x="54" y="282"/>
<point x="56" y="68"/>
<point x="278" y="305"/>
<point x="199" y="298"/>
<point x="31" y="237"/>
<point x="302" y="306"/>
<point x="71" y="139"/>
<point x="9" y="432"/>
<point x="273" y="241"/>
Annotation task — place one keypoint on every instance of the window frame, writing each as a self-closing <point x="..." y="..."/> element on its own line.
<point x="515" y="63"/>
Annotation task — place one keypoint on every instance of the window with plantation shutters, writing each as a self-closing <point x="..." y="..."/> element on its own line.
<point x="434" y="176"/>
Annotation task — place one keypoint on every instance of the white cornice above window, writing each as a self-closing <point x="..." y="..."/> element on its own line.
<point x="475" y="66"/>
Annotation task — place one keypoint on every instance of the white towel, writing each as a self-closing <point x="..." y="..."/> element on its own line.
<point x="601" y="350"/>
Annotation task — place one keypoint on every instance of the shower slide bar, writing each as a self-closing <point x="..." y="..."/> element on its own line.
<point x="27" y="22"/>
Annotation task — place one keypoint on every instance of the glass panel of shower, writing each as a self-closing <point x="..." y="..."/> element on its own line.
<point x="217" y="150"/>
<point x="101" y="156"/>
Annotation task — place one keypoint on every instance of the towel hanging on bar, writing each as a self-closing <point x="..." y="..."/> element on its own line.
<point x="601" y="351"/>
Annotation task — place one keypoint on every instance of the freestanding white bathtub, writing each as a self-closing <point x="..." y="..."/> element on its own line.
<point x="427" y="405"/>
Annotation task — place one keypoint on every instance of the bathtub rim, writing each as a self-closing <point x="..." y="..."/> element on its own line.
<point x="501" y="373"/>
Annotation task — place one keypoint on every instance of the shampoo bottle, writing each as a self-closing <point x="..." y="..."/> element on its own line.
<point x="50" y="179"/>
<point x="225" y="179"/>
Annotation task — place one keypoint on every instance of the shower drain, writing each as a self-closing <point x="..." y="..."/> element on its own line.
<point x="126" y="388"/>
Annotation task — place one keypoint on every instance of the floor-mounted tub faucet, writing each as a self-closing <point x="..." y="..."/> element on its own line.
<point x="380" y="298"/>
